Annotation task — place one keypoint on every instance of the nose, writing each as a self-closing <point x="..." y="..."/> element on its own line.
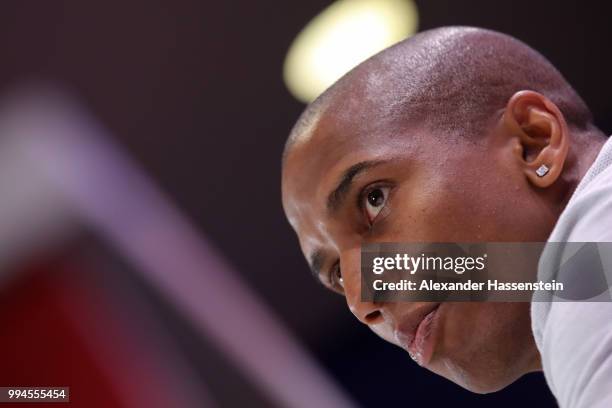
<point x="368" y="313"/>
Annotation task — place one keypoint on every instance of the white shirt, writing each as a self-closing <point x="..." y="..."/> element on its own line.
<point x="575" y="338"/>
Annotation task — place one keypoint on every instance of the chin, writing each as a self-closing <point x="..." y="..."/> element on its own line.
<point x="481" y="380"/>
<point x="485" y="347"/>
<point x="486" y="387"/>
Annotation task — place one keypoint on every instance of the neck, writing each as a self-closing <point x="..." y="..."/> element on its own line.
<point x="587" y="145"/>
<point x="596" y="140"/>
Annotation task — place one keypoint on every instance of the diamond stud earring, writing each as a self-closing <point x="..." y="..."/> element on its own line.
<point x="542" y="170"/>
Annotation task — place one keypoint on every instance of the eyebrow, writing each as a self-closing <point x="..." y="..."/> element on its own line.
<point x="336" y="198"/>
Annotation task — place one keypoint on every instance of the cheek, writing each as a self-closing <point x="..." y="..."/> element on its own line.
<point x="464" y="207"/>
<point x="441" y="212"/>
<point x="485" y="336"/>
<point x="461" y="324"/>
<point x="478" y="320"/>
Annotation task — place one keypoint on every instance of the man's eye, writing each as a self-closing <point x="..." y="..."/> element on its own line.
<point x="336" y="278"/>
<point x="375" y="201"/>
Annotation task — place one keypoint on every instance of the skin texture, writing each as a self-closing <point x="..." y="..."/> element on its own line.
<point x="442" y="178"/>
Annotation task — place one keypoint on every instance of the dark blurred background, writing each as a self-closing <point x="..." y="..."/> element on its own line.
<point x="193" y="92"/>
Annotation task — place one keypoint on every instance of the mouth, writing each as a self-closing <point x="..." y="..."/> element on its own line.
<point x="419" y="339"/>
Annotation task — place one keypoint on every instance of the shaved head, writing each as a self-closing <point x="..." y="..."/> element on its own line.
<point x="439" y="139"/>
<point x="451" y="79"/>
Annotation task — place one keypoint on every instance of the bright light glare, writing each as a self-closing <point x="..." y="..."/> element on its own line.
<point x="343" y="35"/>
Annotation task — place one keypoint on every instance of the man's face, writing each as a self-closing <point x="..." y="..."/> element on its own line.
<point x="345" y="185"/>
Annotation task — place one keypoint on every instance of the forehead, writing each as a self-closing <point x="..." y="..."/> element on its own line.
<point x="329" y="138"/>
<point x="348" y="122"/>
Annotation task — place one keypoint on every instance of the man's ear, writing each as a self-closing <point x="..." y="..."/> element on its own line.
<point x="543" y="136"/>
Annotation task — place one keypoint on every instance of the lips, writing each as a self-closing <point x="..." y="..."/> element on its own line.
<point x="415" y="333"/>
